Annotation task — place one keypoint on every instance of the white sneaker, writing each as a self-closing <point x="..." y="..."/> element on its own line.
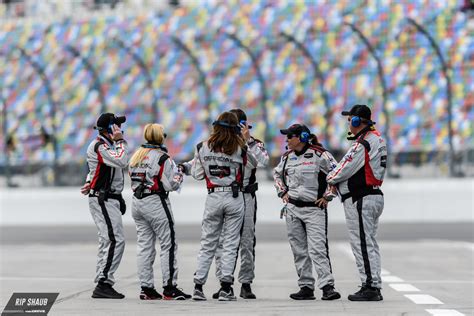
<point x="198" y="295"/>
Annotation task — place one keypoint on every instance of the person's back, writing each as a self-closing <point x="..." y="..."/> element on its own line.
<point x="222" y="161"/>
<point x="154" y="174"/>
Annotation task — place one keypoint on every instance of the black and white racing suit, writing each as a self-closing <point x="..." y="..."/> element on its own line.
<point x="303" y="176"/>
<point x="358" y="177"/>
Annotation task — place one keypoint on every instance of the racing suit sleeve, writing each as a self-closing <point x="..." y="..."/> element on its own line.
<point x="252" y="160"/>
<point x="171" y="177"/>
<point x="258" y="150"/>
<point x="197" y="169"/>
<point x="349" y="164"/>
<point x="118" y="157"/>
<point x="328" y="163"/>
<point x="280" y="186"/>
<point x="187" y="165"/>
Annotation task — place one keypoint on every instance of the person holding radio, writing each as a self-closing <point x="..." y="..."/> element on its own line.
<point x="358" y="178"/>
<point x="222" y="161"/>
<point x="107" y="157"/>
<point x="300" y="180"/>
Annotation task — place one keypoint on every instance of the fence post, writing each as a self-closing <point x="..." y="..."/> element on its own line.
<point x="97" y="84"/>
<point x="317" y="74"/>
<point x="444" y="67"/>
<point x="261" y="80"/>
<point x="202" y="74"/>
<point x="149" y="80"/>
<point x="381" y="75"/>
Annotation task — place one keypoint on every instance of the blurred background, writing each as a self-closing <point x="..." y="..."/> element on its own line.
<point x="181" y="63"/>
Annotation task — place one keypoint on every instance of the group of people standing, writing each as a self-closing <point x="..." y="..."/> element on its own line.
<point x="307" y="179"/>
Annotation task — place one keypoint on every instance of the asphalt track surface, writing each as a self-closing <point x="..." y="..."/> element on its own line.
<point x="427" y="270"/>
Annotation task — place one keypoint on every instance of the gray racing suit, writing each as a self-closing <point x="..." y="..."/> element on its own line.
<point x="303" y="176"/>
<point x="151" y="210"/>
<point x="248" y="239"/>
<point x="358" y="177"/>
<point x="224" y="209"/>
<point x="106" y="161"/>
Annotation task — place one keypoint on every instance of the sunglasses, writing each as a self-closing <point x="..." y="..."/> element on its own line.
<point x="290" y="136"/>
<point x="165" y="135"/>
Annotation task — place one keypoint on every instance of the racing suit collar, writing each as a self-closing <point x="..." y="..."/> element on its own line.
<point x="106" y="139"/>
<point x="299" y="153"/>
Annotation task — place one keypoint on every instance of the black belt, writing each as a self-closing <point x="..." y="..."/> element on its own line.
<point x="358" y="195"/>
<point x="144" y="195"/>
<point x="219" y="189"/>
<point x="300" y="203"/>
<point x="107" y="195"/>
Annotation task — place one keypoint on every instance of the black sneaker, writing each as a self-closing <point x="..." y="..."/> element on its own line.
<point x="105" y="290"/>
<point x="329" y="293"/>
<point x="246" y="292"/>
<point x="149" y="293"/>
<point x="305" y="293"/>
<point x="174" y="293"/>
<point x="216" y="295"/>
<point x="366" y="293"/>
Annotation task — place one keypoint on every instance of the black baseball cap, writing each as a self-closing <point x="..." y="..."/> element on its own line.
<point x="106" y="119"/>
<point x="295" y="129"/>
<point x="360" y="110"/>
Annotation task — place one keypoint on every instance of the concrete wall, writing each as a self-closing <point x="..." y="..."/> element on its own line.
<point x="407" y="201"/>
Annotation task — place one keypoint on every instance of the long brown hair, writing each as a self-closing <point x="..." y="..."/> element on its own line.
<point x="153" y="134"/>
<point x="226" y="139"/>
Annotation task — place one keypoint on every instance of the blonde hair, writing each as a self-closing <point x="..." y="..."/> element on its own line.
<point x="154" y="135"/>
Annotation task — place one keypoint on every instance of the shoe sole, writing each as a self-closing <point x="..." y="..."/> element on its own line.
<point x="147" y="298"/>
<point x="373" y="299"/>
<point x="177" y="298"/>
<point x="331" y="298"/>
<point x="227" y="299"/>
<point x="248" y="298"/>
<point x="107" y="297"/>
<point x="199" y="298"/>
<point x="303" y="299"/>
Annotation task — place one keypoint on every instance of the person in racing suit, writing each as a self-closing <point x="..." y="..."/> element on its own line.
<point x="107" y="156"/>
<point x="221" y="161"/>
<point x="154" y="174"/>
<point x="300" y="180"/>
<point x="358" y="177"/>
<point x="248" y="239"/>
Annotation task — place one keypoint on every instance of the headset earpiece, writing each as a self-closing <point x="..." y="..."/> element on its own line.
<point x="356" y="121"/>
<point x="304" y="137"/>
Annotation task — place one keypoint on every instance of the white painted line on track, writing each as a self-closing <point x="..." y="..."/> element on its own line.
<point x="423" y="299"/>
<point x="444" y="312"/>
<point x="384" y="272"/>
<point x="403" y="287"/>
<point x="391" y="278"/>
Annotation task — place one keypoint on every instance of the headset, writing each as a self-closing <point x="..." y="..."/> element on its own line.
<point x="304" y="137"/>
<point x="234" y="128"/>
<point x="356" y="121"/>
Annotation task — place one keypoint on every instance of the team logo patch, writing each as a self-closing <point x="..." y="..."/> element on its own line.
<point x="294" y="158"/>
<point x="308" y="155"/>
